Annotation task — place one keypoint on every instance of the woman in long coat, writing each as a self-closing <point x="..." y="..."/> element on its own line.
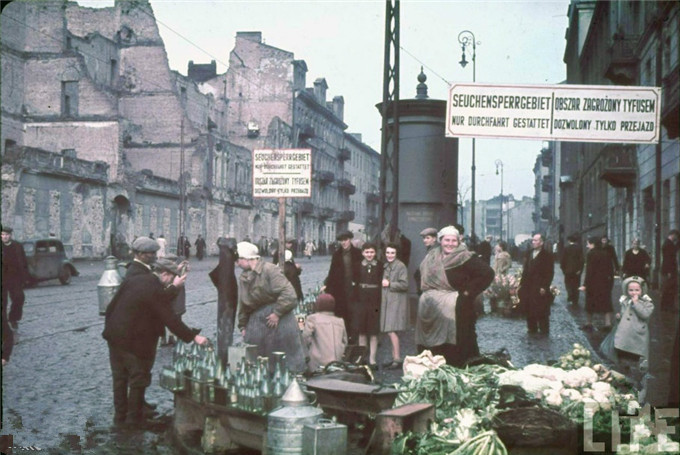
<point x="599" y="278"/>
<point x="266" y="304"/>
<point x="452" y="277"/>
<point x="394" y="305"/>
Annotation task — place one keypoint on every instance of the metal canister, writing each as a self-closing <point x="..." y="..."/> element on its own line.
<point x="285" y="424"/>
<point x="326" y="437"/>
<point x="108" y="284"/>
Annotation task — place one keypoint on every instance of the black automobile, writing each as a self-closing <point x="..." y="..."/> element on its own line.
<point x="47" y="261"/>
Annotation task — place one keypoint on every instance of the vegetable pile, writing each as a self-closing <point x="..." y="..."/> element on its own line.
<point x="467" y="400"/>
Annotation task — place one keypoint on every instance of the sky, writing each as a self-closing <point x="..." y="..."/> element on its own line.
<point x="518" y="42"/>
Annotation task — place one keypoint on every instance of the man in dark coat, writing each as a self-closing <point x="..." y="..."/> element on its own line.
<point x="534" y="291"/>
<point x="14" y="277"/>
<point x="342" y="275"/>
<point x="484" y="249"/>
<point x="608" y="248"/>
<point x="135" y="319"/>
<point x="669" y="271"/>
<point x="572" y="266"/>
<point x="183" y="246"/>
<point x="200" y="247"/>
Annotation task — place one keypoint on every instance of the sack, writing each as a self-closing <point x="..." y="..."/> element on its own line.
<point x="607" y="346"/>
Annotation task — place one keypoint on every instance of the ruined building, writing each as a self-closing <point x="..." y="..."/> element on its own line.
<point x="102" y="141"/>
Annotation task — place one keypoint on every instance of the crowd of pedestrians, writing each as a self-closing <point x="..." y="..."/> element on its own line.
<point x="365" y="295"/>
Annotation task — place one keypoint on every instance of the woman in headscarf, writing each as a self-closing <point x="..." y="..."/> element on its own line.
<point x="266" y="300"/>
<point x="452" y="277"/>
<point x="597" y="284"/>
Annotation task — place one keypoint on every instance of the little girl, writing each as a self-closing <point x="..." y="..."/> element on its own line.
<point x="632" y="334"/>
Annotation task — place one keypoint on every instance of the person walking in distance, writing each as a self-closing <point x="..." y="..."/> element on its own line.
<point x="597" y="284"/>
<point x="534" y="291"/>
<point x="200" y="247"/>
<point x="636" y="262"/>
<point x="572" y="267"/>
<point x="669" y="271"/>
<point x="14" y="277"/>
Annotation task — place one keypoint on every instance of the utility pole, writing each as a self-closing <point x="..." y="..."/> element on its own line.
<point x="389" y="158"/>
<point x="182" y="187"/>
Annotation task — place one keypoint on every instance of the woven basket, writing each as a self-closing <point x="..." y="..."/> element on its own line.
<point x="535" y="427"/>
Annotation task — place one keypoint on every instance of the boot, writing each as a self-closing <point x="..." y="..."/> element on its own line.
<point x="135" y="415"/>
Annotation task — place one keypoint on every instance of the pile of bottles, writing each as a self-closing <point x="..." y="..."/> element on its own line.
<point x="307" y="305"/>
<point x="250" y="387"/>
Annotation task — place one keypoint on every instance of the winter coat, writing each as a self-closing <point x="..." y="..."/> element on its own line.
<point x="137" y="315"/>
<point x="636" y="264"/>
<point x="394" y="315"/>
<point x="537" y="274"/>
<point x="632" y="333"/>
<point x="335" y="281"/>
<point x="598" y="281"/>
<point x="262" y="291"/>
<point x="502" y="263"/>
<point x="325" y="338"/>
<point x="14" y="264"/>
<point x="572" y="259"/>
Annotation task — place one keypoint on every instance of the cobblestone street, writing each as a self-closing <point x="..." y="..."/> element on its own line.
<point x="57" y="388"/>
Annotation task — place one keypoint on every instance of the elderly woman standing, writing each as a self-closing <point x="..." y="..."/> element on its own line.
<point x="394" y="305"/>
<point x="266" y="300"/>
<point x="452" y="277"/>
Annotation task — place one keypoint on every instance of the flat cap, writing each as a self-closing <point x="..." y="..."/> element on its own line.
<point x="166" y="265"/>
<point x="247" y="250"/>
<point x="428" y="231"/>
<point x="145" y="245"/>
<point x="344" y="235"/>
<point x="290" y="240"/>
<point x="7" y="229"/>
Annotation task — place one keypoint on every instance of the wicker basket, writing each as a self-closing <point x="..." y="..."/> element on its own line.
<point x="535" y="427"/>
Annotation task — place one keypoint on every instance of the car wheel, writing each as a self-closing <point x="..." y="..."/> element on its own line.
<point x="65" y="275"/>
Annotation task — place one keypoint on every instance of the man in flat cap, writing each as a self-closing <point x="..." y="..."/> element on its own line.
<point x="429" y="236"/>
<point x="342" y="275"/>
<point x="135" y="320"/>
<point x="144" y="250"/>
<point x="14" y="277"/>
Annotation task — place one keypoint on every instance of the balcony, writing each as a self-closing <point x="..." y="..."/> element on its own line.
<point x="546" y="157"/>
<point x="566" y="180"/>
<point x="344" y="154"/>
<point x="345" y="186"/>
<point x="372" y="198"/>
<point x="326" y="212"/>
<point x="671" y="103"/>
<point x="621" y="68"/>
<point x="324" y="177"/>
<point x="305" y="207"/>
<point x="346" y="216"/>
<point x="619" y="167"/>
<point x="240" y="199"/>
<point x="547" y="184"/>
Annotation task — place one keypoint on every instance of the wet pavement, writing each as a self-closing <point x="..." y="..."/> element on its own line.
<point x="56" y="391"/>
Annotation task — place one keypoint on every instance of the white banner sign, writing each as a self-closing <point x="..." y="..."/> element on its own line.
<point x="580" y="113"/>
<point x="282" y="173"/>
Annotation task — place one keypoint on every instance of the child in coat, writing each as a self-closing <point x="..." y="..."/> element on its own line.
<point x="324" y="335"/>
<point x="365" y="309"/>
<point x="631" y="339"/>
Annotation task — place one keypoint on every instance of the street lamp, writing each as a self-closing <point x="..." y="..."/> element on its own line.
<point x="467" y="38"/>
<point x="499" y="163"/>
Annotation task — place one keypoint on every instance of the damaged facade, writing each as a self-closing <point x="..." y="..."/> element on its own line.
<point x="102" y="141"/>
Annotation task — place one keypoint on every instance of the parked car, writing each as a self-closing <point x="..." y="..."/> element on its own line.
<point x="47" y="261"/>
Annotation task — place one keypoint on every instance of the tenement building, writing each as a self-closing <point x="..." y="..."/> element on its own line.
<point x="101" y="141"/>
<point x="626" y="191"/>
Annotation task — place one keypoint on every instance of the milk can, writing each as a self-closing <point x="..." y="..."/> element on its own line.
<point x="108" y="283"/>
<point x="285" y="424"/>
